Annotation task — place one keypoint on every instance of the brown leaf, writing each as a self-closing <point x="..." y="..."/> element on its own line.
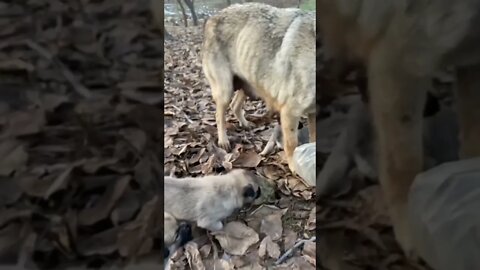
<point x="9" y="243"/>
<point x="10" y="214"/>
<point x="136" y="137"/>
<point x="236" y="238"/>
<point x="144" y="174"/>
<point x="297" y="263"/>
<point x="272" y="226"/>
<point x="249" y="159"/>
<point x="312" y="220"/>
<point x="126" y="207"/>
<point x="105" y="204"/>
<point x="136" y="237"/>
<point x="92" y="165"/>
<point x="373" y="207"/>
<point x="267" y="246"/>
<point x="366" y="232"/>
<point x="60" y="181"/>
<point x="16" y="64"/>
<point x="102" y="243"/>
<point x="142" y="91"/>
<point x="222" y="264"/>
<point x="22" y="123"/>
<point x="256" y="218"/>
<point x="309" y="252"/>
<point x="289" y="239"/>
<point x="193" y="256"/>
<point x="14" y="156"/>
<point x="34" y="185"/>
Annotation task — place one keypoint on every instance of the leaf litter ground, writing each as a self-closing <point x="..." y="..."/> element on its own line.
<point x="80" y="134"/>
<point x="256" y="237"/>
<point x="81" y="144"/>
<point x="354" y="230"/>
<point x="80" y="140"/>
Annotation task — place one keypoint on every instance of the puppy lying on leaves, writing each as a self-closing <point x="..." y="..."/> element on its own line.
<point x="210" y="199"/>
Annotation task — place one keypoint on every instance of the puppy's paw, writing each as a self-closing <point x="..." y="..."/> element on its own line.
<point x="217" y="226"/>
<point x="207" y="224"/>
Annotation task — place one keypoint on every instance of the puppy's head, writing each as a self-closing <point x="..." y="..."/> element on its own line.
<point x="247" y="182"/>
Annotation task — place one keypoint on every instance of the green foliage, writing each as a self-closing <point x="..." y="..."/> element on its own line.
<point x="308" y="5"/>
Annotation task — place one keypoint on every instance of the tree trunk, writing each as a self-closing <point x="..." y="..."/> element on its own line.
<point x="192" y="10"/>
<point x="185" y="19"/>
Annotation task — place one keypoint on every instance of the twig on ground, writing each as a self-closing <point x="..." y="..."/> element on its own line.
<point x="289" y="252"/>
<point x="77" y="86"/>
<point x="184" y="114"/>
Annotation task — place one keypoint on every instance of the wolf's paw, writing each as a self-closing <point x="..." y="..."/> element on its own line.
<point x="402" y="230"/>
<point x="224" y="143"/>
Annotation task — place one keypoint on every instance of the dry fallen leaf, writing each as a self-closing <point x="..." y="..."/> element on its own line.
<point x="309" y="252"/>
<point x="10" y="191"/>
<point x="22" y="123"/>
<point x="312" y="220"/>
<point x="13" y="156"/>
<point x="236" y="238"/>
<point x="136" y="238"/>
<point x="289" y="239"/>
<point x="102" y="208"/>
<point x="193" y="256"/>
<point x="101" y="243"/>
<point x="272" y="226"/>
<point x="249" y="159"/>
<point x="268" y="247"/>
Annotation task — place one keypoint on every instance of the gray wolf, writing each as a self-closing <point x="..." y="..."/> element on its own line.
<point x="402" y="44"/>
<point x="269" y="53"/>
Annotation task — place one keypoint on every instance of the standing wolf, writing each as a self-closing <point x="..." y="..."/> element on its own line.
<point x="269" y="53"/>
<point x="402" y="43"/>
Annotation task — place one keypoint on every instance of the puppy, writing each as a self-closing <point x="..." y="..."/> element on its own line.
<point x="402" y="44"/>
<point x="210" y="199"/>
<point x="269" y="53"/>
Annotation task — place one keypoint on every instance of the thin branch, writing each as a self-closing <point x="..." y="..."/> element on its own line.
<point x="289" y="252"/>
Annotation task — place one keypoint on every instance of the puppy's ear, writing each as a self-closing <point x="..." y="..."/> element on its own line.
<point x="249" y="191"/>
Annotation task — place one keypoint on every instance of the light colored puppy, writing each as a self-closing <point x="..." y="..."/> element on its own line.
<point x="210" y="199"/>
